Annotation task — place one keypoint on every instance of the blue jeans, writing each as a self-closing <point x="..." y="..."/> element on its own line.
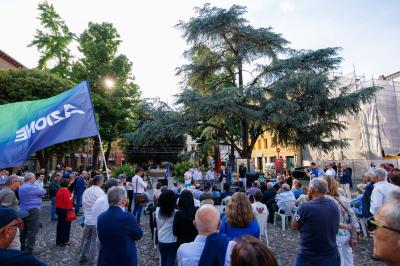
<point x="78" y="203"/>
<point x="333" y="261"/>
<point x="168" y="253"/>
<point x="137" y="211"/>
<point x="53" y="208"/>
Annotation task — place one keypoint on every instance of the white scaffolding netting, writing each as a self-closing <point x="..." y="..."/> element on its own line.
<point x="372" y="132"/>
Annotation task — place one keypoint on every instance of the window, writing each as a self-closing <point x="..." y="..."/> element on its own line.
<point x="259" y="144"/>
<point x="265" y="144"/>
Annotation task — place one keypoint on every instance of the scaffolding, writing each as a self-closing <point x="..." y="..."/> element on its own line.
<point x="374" y="131"/>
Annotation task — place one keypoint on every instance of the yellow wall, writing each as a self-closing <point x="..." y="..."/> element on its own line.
<point x="264" y="149"/>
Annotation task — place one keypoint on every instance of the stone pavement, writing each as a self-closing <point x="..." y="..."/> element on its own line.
<point x="282" y="243"/>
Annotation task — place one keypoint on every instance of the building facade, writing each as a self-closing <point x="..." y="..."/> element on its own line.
<point x="265" y="152"/>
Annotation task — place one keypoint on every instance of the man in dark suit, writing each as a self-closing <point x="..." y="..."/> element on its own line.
<point x="117" y="231"/>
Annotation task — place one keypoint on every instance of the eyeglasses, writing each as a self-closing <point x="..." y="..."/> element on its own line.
<point x="372" y="225"/>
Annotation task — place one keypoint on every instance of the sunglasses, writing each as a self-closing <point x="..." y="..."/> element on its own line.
<point x="372" y="225"/>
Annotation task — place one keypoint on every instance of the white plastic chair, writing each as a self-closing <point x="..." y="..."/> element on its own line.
<point x="288" y="213"/>
<point x="262" y="219"/>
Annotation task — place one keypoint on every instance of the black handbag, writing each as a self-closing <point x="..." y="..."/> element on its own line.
<point x="140" y="198"/>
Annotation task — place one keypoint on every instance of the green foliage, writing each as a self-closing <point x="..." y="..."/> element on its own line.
<point x="156" y="147"/>
<point x="180" y="169"/>
<point x="242" y="81"/>
<point x="116" y="106"/>
<point x="127" y="169"/>
<point x="53" y="41"/>
<point x="28" y="85"/>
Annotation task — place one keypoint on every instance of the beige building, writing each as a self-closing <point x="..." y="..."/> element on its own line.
<point x="264" y="152"/>
<point x="7" y="62"/>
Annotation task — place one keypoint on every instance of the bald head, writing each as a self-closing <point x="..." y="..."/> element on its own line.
<point x="207" y="219"/>
<point x="390" y="211"/>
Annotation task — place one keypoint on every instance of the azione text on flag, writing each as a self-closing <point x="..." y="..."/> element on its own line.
<point x="26" y="127"/>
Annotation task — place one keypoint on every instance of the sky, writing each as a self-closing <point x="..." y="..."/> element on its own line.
<point x="367" y="31"/>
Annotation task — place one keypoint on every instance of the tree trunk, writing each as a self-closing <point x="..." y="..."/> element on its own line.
<point x="232" y="158"/>
<point x="96" y="150"/>
<point x="43" y="158"/>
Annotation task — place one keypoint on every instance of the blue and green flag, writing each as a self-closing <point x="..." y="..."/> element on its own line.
<point x="26" y="127"/>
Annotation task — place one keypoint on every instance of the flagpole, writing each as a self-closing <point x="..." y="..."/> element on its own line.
<point x="102" y="152"/>
<point x="98" y="129"/>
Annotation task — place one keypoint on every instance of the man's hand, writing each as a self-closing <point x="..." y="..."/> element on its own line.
<point x="294" y="224"/>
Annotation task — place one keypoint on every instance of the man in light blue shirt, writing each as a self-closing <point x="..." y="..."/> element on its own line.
<point x="284" y="197"/>
<point x="207" y="222"/>
<point x="30" y="200"/>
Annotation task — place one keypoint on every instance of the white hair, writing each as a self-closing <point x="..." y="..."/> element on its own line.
<point x="381" y="173"/>
<point x="320" y="186"/>
<point x="115" y="195"/>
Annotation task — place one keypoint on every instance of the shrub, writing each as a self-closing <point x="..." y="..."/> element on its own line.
<point x="127" y="169"/>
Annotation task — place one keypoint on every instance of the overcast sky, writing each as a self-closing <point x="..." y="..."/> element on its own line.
<point x="367" y="30"/>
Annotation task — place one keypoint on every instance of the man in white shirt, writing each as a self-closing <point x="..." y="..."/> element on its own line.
<point x="89" y="197"/>
<point x="330" y="171"/>
<point x="138" y="188"/>
<point x="197" y="175"/>
<point x="39" y="181"/>
<point x="382" y="190"/>
<point x="210" y="176"/>
<point x="101" y="204"/>
<point x="284" y="197"/>
<point x="207" y="222"/>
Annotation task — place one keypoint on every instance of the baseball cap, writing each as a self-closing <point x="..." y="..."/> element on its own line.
<point x="7" y="215"/>
<point x="121" y="176"/>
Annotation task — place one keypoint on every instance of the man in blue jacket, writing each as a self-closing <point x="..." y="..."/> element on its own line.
<point x="79" y="188"/>
<point x="117" y="231"/>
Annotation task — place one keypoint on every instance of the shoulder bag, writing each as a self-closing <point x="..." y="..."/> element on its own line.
<point x="140" y="198"/>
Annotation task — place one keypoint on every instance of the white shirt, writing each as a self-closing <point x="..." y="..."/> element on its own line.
<point x="128" y="186"/>
<point x="331" y="172"/>
<point x="141" y="185"/>
<point x="39" y="183"/>
<point x="259" y="208"/>
<point x="164" y="228"/>
<point x="210" y="175"/>
<point x="188" y="177"/>
<point x="189" y="253"/>
<point x="196" y="202"/>
<point x="284" y="197"/>
<point x="381" y="194"/>
<point x="197" y="175"/>
<point x="100" y="206"/>
<point x="89" y="197"/>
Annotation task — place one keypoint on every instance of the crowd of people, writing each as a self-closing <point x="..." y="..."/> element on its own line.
<point x="212" y="219"/>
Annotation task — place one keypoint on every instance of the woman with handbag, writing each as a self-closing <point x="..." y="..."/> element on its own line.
<point x="346" y="238"/>
<point x="65" y="212"/>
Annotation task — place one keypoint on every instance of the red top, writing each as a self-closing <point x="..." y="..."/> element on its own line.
<point x="63" y="199"/>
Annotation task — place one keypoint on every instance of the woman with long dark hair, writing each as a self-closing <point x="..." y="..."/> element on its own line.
<point x="63" y="204"/>
<point x="165" y="213"/>
<point x="183" y="228"/>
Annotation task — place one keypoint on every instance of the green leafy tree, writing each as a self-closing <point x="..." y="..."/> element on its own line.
<point x="270" y="87"/>
<point x="28" y="85"/>
<point x="53" y="41"/>
<point x="115" y="106"/>
<point x="160" y="146"/>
